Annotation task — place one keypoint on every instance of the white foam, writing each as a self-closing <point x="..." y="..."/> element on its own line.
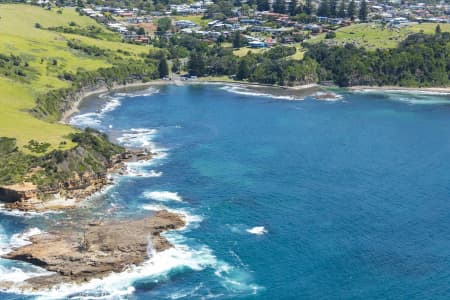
<point x="110" y="105"/>
<point x="86" y="120"/>
<point x="329" y="97"/>
<point x="139" y="168"/>
<point x="4" y="244"/>
<point x="158" y="267"/>
<point x="163" y="196"/>
<point x="258" y="230"/>
<point x="26" y="214"/>
<point x="94" y="119"/>
<point x="248" y="92"/>
<point x="23" y="239"/>
<point x="142" y="93"/>
<point x="400" y="91"/>
<point x="418" y="97"/>
<point x="138" y="137"/>
<point x="154" y="173"/>
<point x="17" y="275"/>
<point x="118" y="285"/>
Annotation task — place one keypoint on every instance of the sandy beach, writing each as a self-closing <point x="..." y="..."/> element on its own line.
<point x="136" y="85"/>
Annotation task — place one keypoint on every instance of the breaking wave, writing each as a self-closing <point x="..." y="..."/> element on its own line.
<point x="163" y="196"/>
<point x="415" y="97"/>
<point x="139" y="93"/>
<point x="257" y="230"/>
<point x="94" y="119"/>
<point x="248" y="92"/>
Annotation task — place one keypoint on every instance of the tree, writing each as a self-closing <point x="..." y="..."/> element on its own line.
<point x="363" y="11"/>
<point x="262" y="5"/>
<point x="243" y="70"/>
<point x="293" y="7"/>
<point x="163" y="68"/>
<point x="140" y="31"/>
<point x="176" y="66"/>
<point x="164" y="24"/>
<point x="437" y="30"/>
<point x="196" y="65"/>
<point x="333" y="8"/>
<point x="341" y="10"/>
<point x="308" y="9"/>
<point x="324" y="9"/>
<point x="351" y="10"/>
<point x="279" y="6"/>
<point x="237" y="39"/>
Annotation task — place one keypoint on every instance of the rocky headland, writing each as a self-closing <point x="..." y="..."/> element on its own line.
<point x="94" y="250"/>
<point x="70" y="192"/>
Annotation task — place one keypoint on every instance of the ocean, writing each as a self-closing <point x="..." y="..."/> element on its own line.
<point x="286" y="197"/>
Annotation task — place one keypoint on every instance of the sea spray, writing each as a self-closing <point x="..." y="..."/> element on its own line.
<point x="151" y="252"/>
<point x="163" y="196"/>
<point x="249" y="92"/>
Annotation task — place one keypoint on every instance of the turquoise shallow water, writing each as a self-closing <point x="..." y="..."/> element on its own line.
<point x="286" y="199"/>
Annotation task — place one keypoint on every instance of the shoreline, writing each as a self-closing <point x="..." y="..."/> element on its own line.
<point x="83" y="95"/>
<point x="99" y="90"/>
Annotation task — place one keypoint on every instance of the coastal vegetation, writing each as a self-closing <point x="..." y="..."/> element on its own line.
<point x="422" y="60"/>
<point x="32" y="62"/>
<point x="43" y="68"/>
<point x="50" y="58"/>
<point x="92" y="155"/>
<point x="375" y="36"/>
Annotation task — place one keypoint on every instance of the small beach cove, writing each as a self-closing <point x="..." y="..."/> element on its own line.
<point x="271" y="200"/>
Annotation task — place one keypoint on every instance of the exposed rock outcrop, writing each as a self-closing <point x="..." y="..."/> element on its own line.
<point x="95" y="250"/>
<point x="29" y="197"/>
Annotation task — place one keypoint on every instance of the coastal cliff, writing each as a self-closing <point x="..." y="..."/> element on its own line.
<point x="61" y="179"/>
<point x="94" y="250"/>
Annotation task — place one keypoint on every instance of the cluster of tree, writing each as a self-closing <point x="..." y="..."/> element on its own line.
<point x="271" y="67"/>
<point x="49" y="106"/>
<point x="419" y="61"/>
<point x="13" y="164"/>
<point x="331" y="8"/>
<point x="88" y="49"/>
<point x="144" y="5"/>
<point x="37" y="147"/>
<point x="89" y="31"/>
<point x="220" y="9"/>
<point x="164" y="25"/>
<point x="92" y="154"/>
<point x="16" y="67"/>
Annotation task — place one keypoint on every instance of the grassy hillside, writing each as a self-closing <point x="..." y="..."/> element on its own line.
<point x="44" y="55"/>
<point x="373" y="36"/>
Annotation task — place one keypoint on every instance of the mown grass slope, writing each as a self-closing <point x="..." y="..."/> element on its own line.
<point x="46" y="53"/>
<point x="373" y="36"/>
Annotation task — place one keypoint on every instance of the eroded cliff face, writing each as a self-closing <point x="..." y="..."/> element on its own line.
<point x="94" y="250"/>
<point x="73" y="188"/>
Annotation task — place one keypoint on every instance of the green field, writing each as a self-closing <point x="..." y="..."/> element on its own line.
<point x="245" y="50"/>
<point x="373" y="36"/>
<point x="40" y="47"/>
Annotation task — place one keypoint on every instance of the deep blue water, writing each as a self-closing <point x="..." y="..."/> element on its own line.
<point x="353" y="195"/>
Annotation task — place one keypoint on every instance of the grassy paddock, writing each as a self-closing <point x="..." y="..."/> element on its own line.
<point x="373" y="36"/>
<point x="41" y="48"/>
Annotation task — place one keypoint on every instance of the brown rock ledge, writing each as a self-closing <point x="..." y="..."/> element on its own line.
<point x="28" y="197"/>
<point x="94" y="251"/>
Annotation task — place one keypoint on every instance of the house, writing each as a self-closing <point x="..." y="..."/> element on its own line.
<point x="257" y="44"/>
<point x="126" y="14"/>
<point x="185" y="24"/>
<point x="270" y="42"/>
